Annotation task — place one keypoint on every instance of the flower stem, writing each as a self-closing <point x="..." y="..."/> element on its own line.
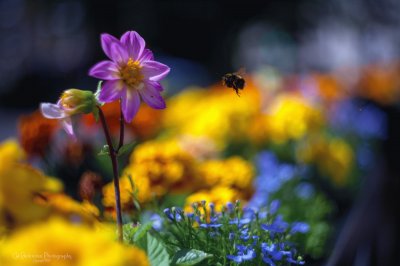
<point x="121" y="128"/>
<point x="113" y="157"/>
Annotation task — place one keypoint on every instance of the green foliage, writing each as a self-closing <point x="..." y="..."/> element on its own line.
<point x="314" y="210"/>
<point x="139" y="235"/>
<point x="104" y="151"/>
<point x="127" y="148"/>
<point x="155" y="249"/>
<point x="207" y="238"/>
<point x="188" y="257"/>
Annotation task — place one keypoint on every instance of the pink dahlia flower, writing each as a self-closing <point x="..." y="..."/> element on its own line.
<point x="130" y="74"/>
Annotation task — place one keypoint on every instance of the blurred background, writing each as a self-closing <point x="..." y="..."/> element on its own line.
<point x="47" y="46"/>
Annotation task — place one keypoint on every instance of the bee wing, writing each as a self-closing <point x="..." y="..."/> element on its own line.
<point x="241" y="72"/>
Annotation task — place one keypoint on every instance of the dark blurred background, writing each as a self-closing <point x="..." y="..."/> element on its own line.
<point x="47" y="45"/>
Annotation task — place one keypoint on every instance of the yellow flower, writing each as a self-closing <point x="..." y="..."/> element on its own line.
<point x="64" y="206"/>
<point x="233" y="172"/>
<point x="59" y="243"/>
<point x="165" y="164"/>
<point x="332" y="156"/>
<point x="218" y="195"/>
<point x="290" y="116"/>
<point x="19" y="185"/>
<point x="10" y="153"/>
<point x="217" y="113"/>
<point x="141" y="187"/>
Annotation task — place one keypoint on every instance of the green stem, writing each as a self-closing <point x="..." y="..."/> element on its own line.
<point x="121" y="128"/>
<point x="113" y="157"/>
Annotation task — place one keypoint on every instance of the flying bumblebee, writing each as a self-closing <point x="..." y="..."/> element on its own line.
<point x="234" y="80"/>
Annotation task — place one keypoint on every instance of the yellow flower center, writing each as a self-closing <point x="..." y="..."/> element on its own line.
<point x="131" y="74"/>
<point x="68" y="101"/>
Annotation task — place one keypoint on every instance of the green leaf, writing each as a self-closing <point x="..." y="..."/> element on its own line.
<point x="126" y="148"/>
<point x="187" y="257"/>
<point x="156" y="251"/>
<point x="95" y="113"/>
<point x="142" y="231"/>
<point x="177" y="200"/>
<point x="129" y="232"/>
<point x="104" y="151"/>
<point x="135" y="193"/>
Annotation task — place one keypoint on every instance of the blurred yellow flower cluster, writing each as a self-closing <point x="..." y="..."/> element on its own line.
<point x="27" y="195"/>
<point x="167" y="166"/>
<point x="218" y="195"/>
<point x="215" y="113"/>
<point x="57" y="242"/>
<point x="233" y="172"/>
<point x="290" y="117"/>
<point x="332" y="156"/>
<point x="130" y="186"/>
<point x="19" y="185"/>
<point x="156" y="168"/>
<point x="223" y="181"/>
<point x="160" y="167"/>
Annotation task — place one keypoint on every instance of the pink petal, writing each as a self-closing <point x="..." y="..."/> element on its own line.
<point x="111" y="90"/>
<point x="119" y="54"/>
<point x="130" y="104"/>
<point x="154" y="70"/>
<point x="146" y="55"/>
<point x="67" y="125"/>
<point x="152" y="96"/>
<point x="105" y="70"/>
<point x="52" y="111"/>
<point x="134" y="44"/>
<point x="106" y="41"/>
<point x="155" y="84"/>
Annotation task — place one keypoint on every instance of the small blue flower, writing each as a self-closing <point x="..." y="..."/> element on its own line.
<point x="274" y="206"/>
<point x="299" y="227"/>
<point x="272" y="175"/>
<point x="268" y="261"/>
<point x="203" y="225"/>
<point x="278" y="226"/>
<point x="244" y="254"/>
<point x="305" y="190"/>
<point x="230" y="207"/>
<point x="271" y="250"/>
<point x="174" y="214"/>
<point x="240" y="222"/>
<point x="157" y="221"/>
<point x="298" y="262"/>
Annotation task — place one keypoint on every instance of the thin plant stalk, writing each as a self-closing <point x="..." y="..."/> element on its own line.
<point x="121" y="128"/>
<point x="113" y="156"/>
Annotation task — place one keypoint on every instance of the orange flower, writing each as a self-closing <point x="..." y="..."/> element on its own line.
<point x="145" y="124"/>
<point x="329" y="88"/>
<point x="89" y="183"/>
<point x="35" y="133"/>
<point x="111" y="112"/>
<point x="381" y="83"/>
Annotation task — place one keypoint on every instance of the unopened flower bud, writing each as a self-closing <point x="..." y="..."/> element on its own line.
<point x="75" y="101"/>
